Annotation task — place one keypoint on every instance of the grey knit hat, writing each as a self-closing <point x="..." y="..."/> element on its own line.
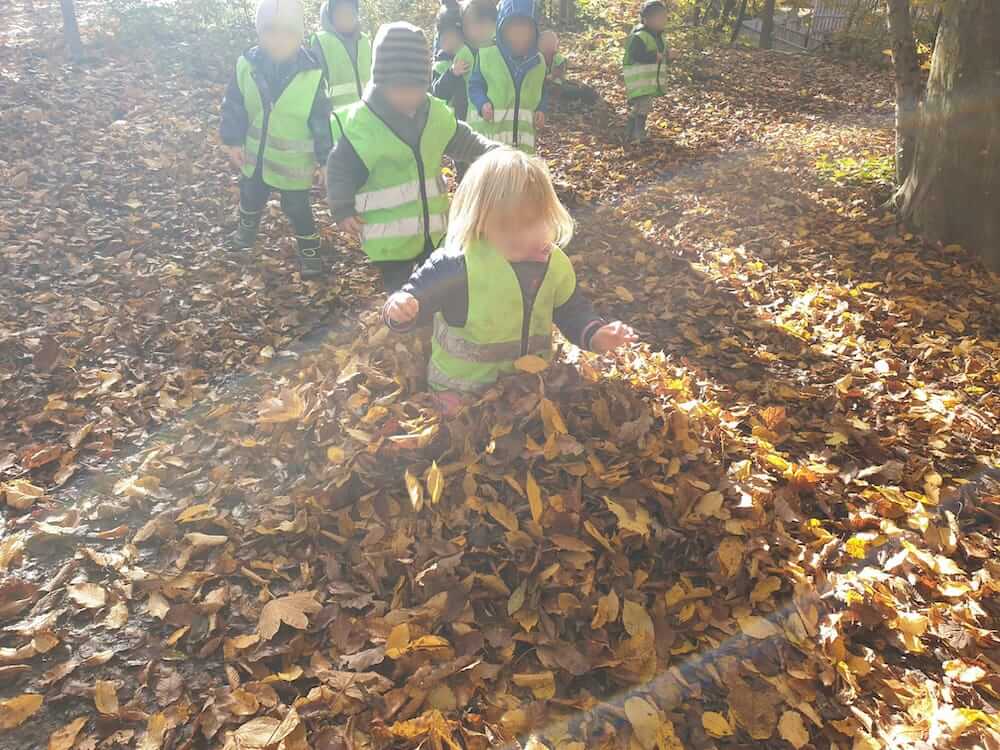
<point x="400" y="55"/>
<point x="649" y="6"/>
<point x="281" y="14"/>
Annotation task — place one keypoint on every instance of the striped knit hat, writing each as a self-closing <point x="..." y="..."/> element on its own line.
<point x="400" y="56"/>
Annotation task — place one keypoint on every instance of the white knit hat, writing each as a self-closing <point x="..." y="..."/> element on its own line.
<point x="281" y="14"/>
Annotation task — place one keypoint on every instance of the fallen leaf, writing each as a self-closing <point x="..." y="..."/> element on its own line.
<point x="291" y="610"/>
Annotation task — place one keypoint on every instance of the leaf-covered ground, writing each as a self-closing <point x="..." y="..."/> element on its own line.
<point x="231" y="518"/>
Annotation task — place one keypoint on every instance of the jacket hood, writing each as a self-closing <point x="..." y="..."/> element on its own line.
<point x="326" y="14"/>
<point x="515" y="9"/>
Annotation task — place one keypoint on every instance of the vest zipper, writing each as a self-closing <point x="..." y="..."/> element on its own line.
<point x="517" y="110"/>
<point x="265" y="99"/>
<point x="528" y="304"/>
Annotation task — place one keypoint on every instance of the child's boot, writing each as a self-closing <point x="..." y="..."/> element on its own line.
<point x="630" y="128"/>
<point x="245" y="235"/>
<point x="311" y="262"/>
<point x="640" y="128"/>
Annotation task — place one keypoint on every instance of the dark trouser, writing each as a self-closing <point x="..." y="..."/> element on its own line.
<point x="254" y="194"/>
<point x="395" y="273"/>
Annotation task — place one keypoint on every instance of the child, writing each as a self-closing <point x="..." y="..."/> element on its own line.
<point x="384" y="175"/>
<point x="345" y="50"/>
<point x="507" y="85"/>
<point x="276" y="126"/>
<point x="645" y="51"/>
<point x="447" y="43"/>
<point x="479" y="20"/>
<point x="555" y="66"/>
<point x="501" y="281"/>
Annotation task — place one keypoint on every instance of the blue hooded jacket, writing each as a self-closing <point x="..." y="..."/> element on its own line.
<point x="518" y="66"/>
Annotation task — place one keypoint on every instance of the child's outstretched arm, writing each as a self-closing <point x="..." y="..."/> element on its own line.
<point x="467" y="145"/>
<point x="580" y="324"/>
<point x="439" y="285"/>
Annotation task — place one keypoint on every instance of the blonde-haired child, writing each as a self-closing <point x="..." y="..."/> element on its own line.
<point x="502" y="279"/>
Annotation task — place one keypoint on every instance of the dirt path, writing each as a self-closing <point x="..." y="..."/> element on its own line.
<point x="210" y="433"/>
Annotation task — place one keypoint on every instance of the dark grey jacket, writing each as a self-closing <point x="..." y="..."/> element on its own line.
<point x="346" y="173"/>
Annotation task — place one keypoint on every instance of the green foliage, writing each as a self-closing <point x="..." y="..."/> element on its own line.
<point x="870" y="170"/>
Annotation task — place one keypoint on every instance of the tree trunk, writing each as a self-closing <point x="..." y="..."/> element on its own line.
<point x="907" y="68"/>
<point x="71" y="31"/>
<point x="767" y="25"/>
<point x="742" y="14"/>
<point x="952" y="192"/>
<point x="727" y="11"/>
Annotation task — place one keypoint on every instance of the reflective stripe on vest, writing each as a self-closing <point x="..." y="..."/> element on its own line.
<point x="472" y="357"/>
<point x="642" y="79"/>
<point x="503" y="95"/>
<point x="403" y="202"/>
<point x="281" y="130"/>
<point x="342" y="84"/>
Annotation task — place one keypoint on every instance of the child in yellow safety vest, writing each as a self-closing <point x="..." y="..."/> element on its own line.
<point x="448" y="42"/>
<point x="384" y="180"/>
<point x="502" y="280"/>
<point x="646" y="53"/>
<point x="276" y="128"/>
<point x="507" y="84"/>
<point x="345" y="50"/>
<point x="478" y="25"/>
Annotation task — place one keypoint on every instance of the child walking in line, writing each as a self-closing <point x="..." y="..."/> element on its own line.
<point x="555" y="67"/>
<point x="276" y="127"/>
<point x="448" y="41"/>
<point x="507" y="85"/>
<point x="345" y="50"/>
<point x="645" y="53"/>
<point x="501" y="281"/>
<point x="479" y="20"/>
<point x="384" y="179"/>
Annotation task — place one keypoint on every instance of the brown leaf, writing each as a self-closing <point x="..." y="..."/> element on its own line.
<point x="291" y="610"/>
<point x="64" y="738"/>
<point x="17" y="710"/>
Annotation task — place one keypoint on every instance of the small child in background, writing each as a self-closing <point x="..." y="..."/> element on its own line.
<point x="507" y="85"/>
<point x="645" y="52"/>
<point x="479" y="20"/>
<point x="384" y="179"/>
<point x="555" y="67"/>
<point x="448" y="42"/>
<point x="345" y="50"/>
<point x="276" y="127"/>
<point x="501" y="281"/>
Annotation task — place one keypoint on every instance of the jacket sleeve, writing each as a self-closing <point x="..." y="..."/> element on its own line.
<point x="319" y="124"/>
<point x="477" y="89"/>
<point x="447" y="85"/>
<point x="467" y="145"/>
<point x="235" y="120"/>
<point x="544" y="100"/>
<point x="637" y="51"/>
<point x="345" y="174"/>
<point x="440" y="285"/>
<point x="577" y="319"/>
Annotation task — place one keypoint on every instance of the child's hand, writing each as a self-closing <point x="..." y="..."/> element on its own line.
<point x="460" y="67"/>
<point x="402" y="308"/>
<point x="352" y="225"/>
<point x="539" y="120"/>
<point x="235" y="154"/>
<point x="612" y="336"/>
<point x="488" y="112"/>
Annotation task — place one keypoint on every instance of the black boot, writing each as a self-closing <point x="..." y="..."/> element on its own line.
<point x="630" y="128"/>
<point x="245" y="235"/>
<point x="311" y="263"/>
<point x="640" y="128"/>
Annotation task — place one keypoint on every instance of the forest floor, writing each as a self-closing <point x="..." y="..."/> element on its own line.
<point x="231" y="518"/>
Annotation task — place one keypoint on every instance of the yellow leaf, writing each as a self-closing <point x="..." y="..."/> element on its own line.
<point x="552" y="419"/>
<point x="541" y="684"/>
<point x="716" y="724"/>
<point x="415" y="490"/>
<point x="503" y="515"/>
<point x="638" y="524"/>
<point x="516" y="600"/>
<point x="793" y="729"/>
<point x="335" y="454"/>
<point x="530" y="363"/>
<point x="15" y="711"/>
<point x="87" y="595"/>
<point x="624" y="294"/>
<point x="730" y="555"/>
<point x="106" y="697"/>
<point x="156" y="727"/>
<point x="636" y="620"/>
<point x="63" y="739"/>
<point x="758" y="627"/>
<point x="435" y="483"/>
<point x="399" y="636"/>
<point x="645" y="721"/>
<point x="534" y="498"/>
<point x="21" y="494"/>
<point x="291" y="610"/>
<point x="666" y="737"/>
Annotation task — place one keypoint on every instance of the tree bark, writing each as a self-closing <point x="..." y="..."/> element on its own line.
<point x="907" y="69"/>
<point x="742" y="14"/>
<point x="767" y="25"/>
<point x="71" y="31"/>
<point x="952" y="192"/>
<point x="727" y="11"/>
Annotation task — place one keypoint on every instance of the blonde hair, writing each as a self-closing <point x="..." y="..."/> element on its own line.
<point x="506" y="185"/>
